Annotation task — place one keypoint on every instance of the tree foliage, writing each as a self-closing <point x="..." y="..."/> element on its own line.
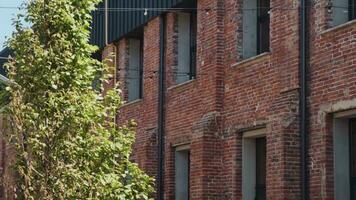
<point x="68" y="145"/>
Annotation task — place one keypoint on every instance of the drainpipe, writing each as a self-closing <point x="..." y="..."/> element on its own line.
<point x="303" y="98"/>
<point x="161" y="110"/>
<point x="106" y="22"/>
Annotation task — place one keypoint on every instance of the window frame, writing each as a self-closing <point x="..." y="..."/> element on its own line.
<point x="256" y="28"/>
<point x="247" y="137"/>
<point x="140" y="68"/>
<point x="184" y="149"/>
<point x="193" y="33"/>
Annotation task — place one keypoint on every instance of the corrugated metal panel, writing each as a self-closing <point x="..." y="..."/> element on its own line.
<point x="122" y="22"/>
<point x="98" y="26"/>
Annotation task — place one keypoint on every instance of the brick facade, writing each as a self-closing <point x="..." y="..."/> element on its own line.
<point x="231" y="95"/>
<point x="228" y="96"/>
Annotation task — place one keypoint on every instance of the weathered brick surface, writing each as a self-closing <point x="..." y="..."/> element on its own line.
<point x="332" y="78"/>
<point x="144" y="111"/>
<point x="230" y="95"/>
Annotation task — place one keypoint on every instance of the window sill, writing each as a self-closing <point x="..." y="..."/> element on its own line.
<point x="181" y="84"/>
<point x="137" y="101"/>
<point x="252" y="60"/>
<point x="336" y="28"/>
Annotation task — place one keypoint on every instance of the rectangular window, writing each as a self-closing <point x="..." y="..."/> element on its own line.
<point x="344" y="146"/>
<point x="254" y="165"/>
<point x="256" y="22"/>
<point x="353" y="158"/>
<point x="261" y="168"/>
<point x="182" y="173"/>
<point x="187" y="31"/>
<point x="134" y="77"/>
<point x="343" y="11"/>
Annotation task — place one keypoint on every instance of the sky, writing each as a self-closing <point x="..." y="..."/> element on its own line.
<point x="6" y="16"/>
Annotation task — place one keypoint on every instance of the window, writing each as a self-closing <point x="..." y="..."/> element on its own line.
<point x="254" y="165"/>
<point x="343" y="11"/>
<point x="344" y="139"/>
<point x="187" y="31"/>
<point x="256" y="22"/>
<point x="134" y="78"/>
<point x="353" y="158"/>
<point x="182" y="173"/>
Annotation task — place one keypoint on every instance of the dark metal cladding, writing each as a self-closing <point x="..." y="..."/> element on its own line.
<point x="125" y="16"/>
<point x="4" y="54"/>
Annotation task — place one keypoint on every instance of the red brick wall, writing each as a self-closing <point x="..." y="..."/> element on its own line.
<point x="231" y="95"/>
<point x="332" y="78"/>
<point x="209" y="112"/>
<point x="144" y="111"/>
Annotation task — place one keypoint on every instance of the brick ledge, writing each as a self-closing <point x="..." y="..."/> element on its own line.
<point x="336" y="28"/>
<point x="251" y="60"/>
<point x="181" y="84"/>
<point x="131" y="103"/>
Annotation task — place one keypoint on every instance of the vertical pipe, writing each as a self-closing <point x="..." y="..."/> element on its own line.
<point x="161" y="110"/>
<point x="106" y="22"/>
<point x="303" y="99"/>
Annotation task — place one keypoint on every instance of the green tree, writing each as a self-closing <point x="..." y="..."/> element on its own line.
<point x="68" y="145"/>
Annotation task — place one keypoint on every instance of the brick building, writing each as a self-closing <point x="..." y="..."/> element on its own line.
<point x="224" y="105"/>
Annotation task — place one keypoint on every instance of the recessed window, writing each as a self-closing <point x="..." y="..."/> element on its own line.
<point x="344" y="146"/>
<point x="182" y="173"/>
<point x="254" y="165"/>
<point x="256" y="21"/>
<point x="343" y="11"/>
<point x="187" y="31"/>
<point x="134" y="77"/>
<point x="353" y="157"/>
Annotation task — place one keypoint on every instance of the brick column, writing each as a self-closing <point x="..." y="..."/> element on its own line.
<point x="283" y="148"/>
<point x="109" y="58"/>
<point x="122" y="64"/>
<point x="7" y="159"/>
<point x="206" y="159"/>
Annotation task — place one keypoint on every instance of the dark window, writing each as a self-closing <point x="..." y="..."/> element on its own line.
<point x="352" y="9"/>
<point x="134" y="77"/>
<point x="187" y="31"/>
<point x="343" y="11"/>
<point x="261" y="168"/>
<point x="256" y="22"/>
<point x="193" y="44"/>
<point x="353" y="158"/>
<point x="263" y="26"/>
<point x="254" y="165"/>
<point x="182" y="174"/>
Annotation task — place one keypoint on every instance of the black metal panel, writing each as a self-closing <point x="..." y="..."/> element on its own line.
<point x="4" y="54"/>
<point x="125" y="16"/>
<point x="98" y="26"/>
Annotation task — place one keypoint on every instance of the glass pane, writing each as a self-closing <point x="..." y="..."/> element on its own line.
<point x="263" y="25"/>
<point x="353" y="158"/>
<point x="261" y="168"/>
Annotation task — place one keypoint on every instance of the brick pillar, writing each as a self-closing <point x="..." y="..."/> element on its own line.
<point x="122" y="61"/>
<point x="206" y="159"/>
<point x="283" y="148"/>
<point x="171" y="49"/>
<point x="7" y="159"/>
<point x="109" y="58"/>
